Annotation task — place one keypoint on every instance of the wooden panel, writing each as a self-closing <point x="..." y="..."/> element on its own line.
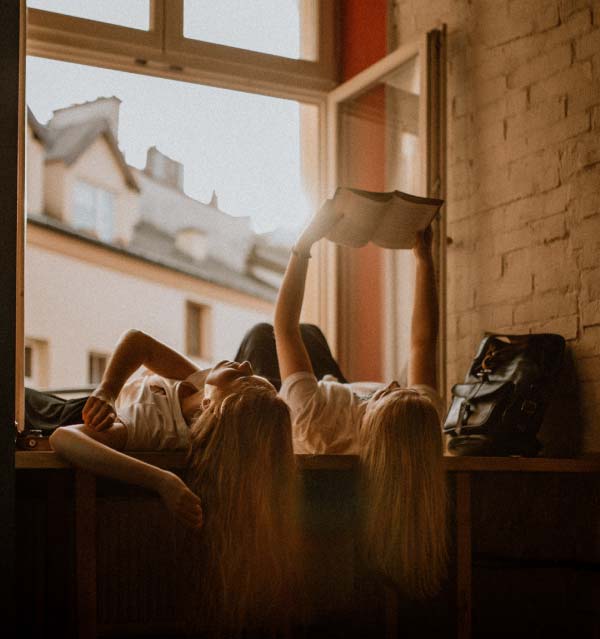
<point x="588" y="464"/>
<point x="463" y="555"/>
<point x="85" y="553"/>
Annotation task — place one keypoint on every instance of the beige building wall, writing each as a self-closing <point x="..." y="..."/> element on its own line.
<point x="35" y="174"/>
<point x="523" y="182"/>
<point x="76" y="315"/>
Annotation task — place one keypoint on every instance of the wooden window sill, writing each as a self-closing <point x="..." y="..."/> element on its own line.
<point x="588" y="464"/>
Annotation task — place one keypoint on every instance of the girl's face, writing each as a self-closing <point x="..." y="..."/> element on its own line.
<point x="225" y="372"/>
<point x="227" y="377"/>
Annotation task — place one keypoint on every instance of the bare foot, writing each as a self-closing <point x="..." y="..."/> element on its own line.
<point x="181" y="501"/>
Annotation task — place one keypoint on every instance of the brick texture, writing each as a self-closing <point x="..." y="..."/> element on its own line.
<point x="523" y="176"/>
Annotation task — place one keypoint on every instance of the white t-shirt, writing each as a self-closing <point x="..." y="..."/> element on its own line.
<point x="326" y="414"/>
<point x="149" y="407"/>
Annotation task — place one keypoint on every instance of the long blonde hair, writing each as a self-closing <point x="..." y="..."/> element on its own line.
<point x="241" y="464"/>
<point x="404" y="492"/>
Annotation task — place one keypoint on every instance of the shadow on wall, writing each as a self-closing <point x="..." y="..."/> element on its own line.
<point x="561" y="434"/>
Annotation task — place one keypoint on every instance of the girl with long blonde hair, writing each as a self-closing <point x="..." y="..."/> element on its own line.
<point x="239" y="498"/>
<point x="396" y="431"/>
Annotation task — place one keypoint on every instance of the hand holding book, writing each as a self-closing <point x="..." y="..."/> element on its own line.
<point x="318" y="226"/>
<point x="390" y="220"/>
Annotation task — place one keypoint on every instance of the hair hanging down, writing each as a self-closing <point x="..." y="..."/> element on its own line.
<point x="245" y="563"/>
<point x="404" y="489"/>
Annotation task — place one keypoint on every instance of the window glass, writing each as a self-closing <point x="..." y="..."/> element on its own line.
<point x="96" y="367"/>
<point x="198" y="330"/>
<point x="93" y="210"/>
<point x="36" y="363"/>
<point x="204" y="190"/>
<point x="380" y="150"/>
<point x="132" y="13"/>
<point x="84" y="215"/>
<point x="28" y="364"/>
<point x="105" y="207"/>
<point x="280" y="27"/>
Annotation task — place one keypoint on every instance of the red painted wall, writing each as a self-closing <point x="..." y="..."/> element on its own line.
<point x="363" y="42"/>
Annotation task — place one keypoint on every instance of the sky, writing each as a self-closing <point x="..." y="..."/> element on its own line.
<point x="246" y="147"/>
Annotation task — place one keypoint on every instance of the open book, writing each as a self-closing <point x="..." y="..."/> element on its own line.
<point x="390" y="220"/>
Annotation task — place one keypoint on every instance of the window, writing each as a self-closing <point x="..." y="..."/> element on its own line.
<point x="198" y="330"/>
<point x="93" y="210"/>
<point x="96" y="367"/>
<point x="28" y="365"/>
<point x="386" y="133"/>
<point x="279" y="47"/>
<point x="35" y="363"/>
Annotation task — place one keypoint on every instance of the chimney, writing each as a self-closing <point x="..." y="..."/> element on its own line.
<point x="214" y="200"/>
<point x="164" y="169"/>
<point x="106" y="108"/>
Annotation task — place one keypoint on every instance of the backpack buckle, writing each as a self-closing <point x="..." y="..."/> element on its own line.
<point x="528" y="407"/>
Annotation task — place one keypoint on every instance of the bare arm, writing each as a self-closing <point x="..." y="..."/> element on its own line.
<point x="422" y="367"/>
<point x="94" y="452"/>
<point x="134" y="349"/>
<point x="291" y="352"/>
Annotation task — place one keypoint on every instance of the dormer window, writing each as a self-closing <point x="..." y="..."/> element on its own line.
<point x="93" y="210"/>
<point x="192" y="242"/>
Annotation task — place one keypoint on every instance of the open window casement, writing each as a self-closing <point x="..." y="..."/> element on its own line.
<point x="385" y="131"/>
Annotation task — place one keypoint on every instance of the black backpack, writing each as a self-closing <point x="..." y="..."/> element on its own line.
<point x="499" y="408"/>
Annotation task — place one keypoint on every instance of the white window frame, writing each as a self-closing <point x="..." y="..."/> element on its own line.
<point x="164" y="51"/>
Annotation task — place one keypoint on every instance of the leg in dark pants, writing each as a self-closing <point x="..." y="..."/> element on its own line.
<point x="45" y="412"/>
<point x="258" y="347"/>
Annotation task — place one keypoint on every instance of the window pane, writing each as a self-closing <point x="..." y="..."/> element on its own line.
<point x="84" y="213"/>
<point x="189" y="181"/>
<point x="132" y="13"/>
<point x="379" y="150"/>
<point x="28" y="362"/>
<point x="104" y="214"/>
<point x="96" y="367"/>
<point x="279" y="27"/>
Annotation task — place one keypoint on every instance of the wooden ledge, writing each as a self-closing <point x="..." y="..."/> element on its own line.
<point x="587" y="464"/>
<point x="175" y="460"/>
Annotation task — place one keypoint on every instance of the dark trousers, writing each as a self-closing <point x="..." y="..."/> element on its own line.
<point x="258" y="347"/>
<point x="45" y="412"/>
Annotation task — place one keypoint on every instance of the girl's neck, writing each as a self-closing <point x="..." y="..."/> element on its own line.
<point x="190" y="400"/>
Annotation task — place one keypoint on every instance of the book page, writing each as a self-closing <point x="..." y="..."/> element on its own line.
<point x="401" y="220"/>
<point x="362" y="215"/>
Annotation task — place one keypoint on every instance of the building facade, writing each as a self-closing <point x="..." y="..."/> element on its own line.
<point x="110" y="247"/>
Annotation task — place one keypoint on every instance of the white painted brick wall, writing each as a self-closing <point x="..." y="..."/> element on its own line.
<point x="523" y="175"/>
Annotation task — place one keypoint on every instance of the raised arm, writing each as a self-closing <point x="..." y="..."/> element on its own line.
<point x="291" y="352"/>
<point x="134" y="349"/>
<point x="424" y="329"/>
